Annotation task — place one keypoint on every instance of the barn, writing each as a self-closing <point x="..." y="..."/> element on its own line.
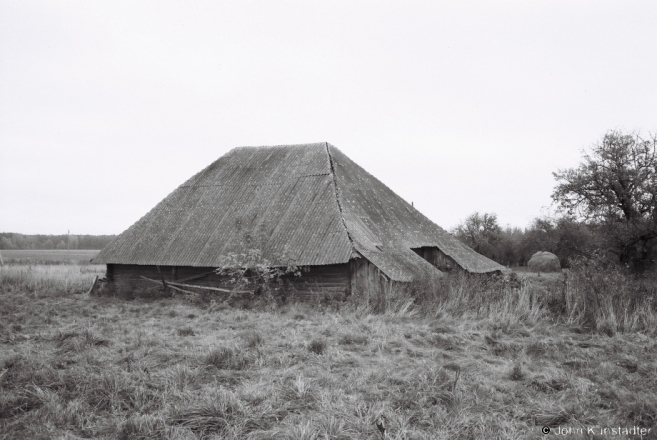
<point x="309" y="204"/>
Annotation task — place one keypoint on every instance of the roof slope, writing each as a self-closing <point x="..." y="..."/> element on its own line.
<point x="261" y="195"/>
<point x="375" y="215"/>
<point x="308" y="203"/>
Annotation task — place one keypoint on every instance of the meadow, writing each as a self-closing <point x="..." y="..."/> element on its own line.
<point x="47" y="256"/>
<point x="468" y="359"/>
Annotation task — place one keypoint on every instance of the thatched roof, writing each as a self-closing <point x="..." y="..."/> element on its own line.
<point x="307" y="203"/>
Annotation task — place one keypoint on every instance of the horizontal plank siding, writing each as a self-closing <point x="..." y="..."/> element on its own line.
<point x="316" y="283"/>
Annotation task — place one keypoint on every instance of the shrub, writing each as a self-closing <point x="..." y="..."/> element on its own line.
<point x="600" y="295"/>
<point x="254" y="277"/>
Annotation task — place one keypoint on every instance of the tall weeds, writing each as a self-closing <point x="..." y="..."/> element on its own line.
<point x="48" y="278"/>
<point x="602" y="296"/>
<point x="460" y="294"/>
<point x="594" y="295"/>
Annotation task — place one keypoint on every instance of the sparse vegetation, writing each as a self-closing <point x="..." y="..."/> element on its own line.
<point x="469" y="358"/>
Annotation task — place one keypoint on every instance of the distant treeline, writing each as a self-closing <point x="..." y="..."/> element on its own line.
<point x="9" y="240"/>
<point x="563" y="236"/>
<point x="607" y="210"/>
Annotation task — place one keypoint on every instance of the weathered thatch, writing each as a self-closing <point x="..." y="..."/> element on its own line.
<point x="307" y="203"/>
<point x="544" y="262"/>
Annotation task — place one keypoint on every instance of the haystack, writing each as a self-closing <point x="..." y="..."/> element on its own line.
<point x="544" y="262"/>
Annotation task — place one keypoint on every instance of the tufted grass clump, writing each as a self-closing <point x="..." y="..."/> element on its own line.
<point x="253" y="339"/>
<point x="186" y="331"/>
<point x="228" y="358"/>
<point x="517" y="373"/>
<point x="317" y="346"/>
<point x="353" y="339"/>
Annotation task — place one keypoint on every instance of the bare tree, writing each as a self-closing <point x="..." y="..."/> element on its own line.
<point x="481" y="232"/>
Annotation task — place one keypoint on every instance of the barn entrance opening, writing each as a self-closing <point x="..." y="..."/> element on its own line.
<point x="435" y="257"/>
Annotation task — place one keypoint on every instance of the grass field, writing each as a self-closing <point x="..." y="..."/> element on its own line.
<point x="51" y="256"/>
<point x="74" y="366"/>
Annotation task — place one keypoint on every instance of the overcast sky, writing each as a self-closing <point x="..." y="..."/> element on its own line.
<point x="459" y="106"/>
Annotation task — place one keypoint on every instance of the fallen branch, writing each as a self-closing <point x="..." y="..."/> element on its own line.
<point x="183" y="290"/>
<point x="151" y="280"/>
<point x="196" y="277"/>
<point x="170" y="286"/>
<point x="210" y="288"/>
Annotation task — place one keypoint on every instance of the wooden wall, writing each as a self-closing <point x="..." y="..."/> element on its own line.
<point x="329" y="282"/>
<point x="316" y="283"/>
<point x="367" y="283"/>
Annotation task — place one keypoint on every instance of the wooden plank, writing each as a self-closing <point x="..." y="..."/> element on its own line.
<point x="210" y="288"/>
<point x="161" y="276"/>
<point x="183" y="290"/>
<point x="148" y="279"/>
<point x="170" y="283"/>
<point x="91" y="289"/>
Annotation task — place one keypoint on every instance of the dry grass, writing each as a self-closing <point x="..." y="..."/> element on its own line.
<point x="49" y="256"/>
<point x="73" y="366"/>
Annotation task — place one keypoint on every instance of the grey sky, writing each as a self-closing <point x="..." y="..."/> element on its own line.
<point x="106" y="107"/>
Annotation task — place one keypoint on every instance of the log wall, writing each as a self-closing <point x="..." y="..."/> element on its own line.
<point x="316" y="283"/>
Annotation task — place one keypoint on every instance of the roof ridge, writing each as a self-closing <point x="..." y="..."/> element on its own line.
<point x="337" y="196"/>
<point x="263" y="147"/>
